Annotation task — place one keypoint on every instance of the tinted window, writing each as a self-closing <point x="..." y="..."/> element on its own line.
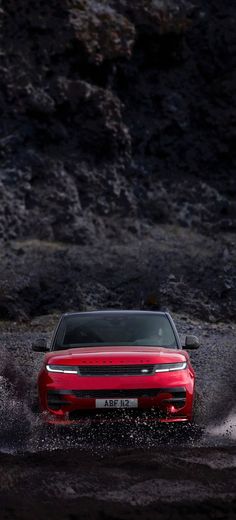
<point x="115" y="329"/>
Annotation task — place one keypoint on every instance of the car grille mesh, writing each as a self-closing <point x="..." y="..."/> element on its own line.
<point x="144" y="392"/>
<point x="57" y="396"/>
<point x="116" y="370"/>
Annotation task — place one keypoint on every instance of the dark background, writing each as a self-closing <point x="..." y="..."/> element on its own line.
<point x="117" y="147"/>
<point x="117" y="190"/>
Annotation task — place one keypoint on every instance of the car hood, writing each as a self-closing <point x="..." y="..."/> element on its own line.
<point x="115" y="355"/>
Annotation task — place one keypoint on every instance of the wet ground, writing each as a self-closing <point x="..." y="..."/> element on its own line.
<point x="119" y="471"/>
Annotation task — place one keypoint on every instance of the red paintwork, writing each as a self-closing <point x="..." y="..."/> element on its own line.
<point x="117" y="355"/>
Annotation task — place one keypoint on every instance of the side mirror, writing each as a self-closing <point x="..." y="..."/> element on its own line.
<point x="191" y="342"/>
<point x="40" y="345"/>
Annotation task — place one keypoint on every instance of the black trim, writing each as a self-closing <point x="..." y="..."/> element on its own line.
<point x="177" y="392"/>
<point x="116" y="370"/>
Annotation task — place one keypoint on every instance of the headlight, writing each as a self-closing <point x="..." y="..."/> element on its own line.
<point x="170" y="367"/>
<point x="62" y="369"/>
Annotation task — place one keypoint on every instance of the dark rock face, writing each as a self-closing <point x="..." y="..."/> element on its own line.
<point x="116" y="115"/>
<point x="131" y="103"/>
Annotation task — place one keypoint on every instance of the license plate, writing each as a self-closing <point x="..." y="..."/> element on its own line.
<point x="116" y="403"/>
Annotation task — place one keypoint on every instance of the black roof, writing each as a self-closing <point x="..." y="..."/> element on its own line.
<point x="115" y="311"/>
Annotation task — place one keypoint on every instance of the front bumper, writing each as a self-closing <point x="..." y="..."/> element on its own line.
<point x="161" y="398"/>
<point x="153" y="404"/>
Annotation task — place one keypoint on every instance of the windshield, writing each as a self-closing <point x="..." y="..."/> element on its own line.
<point x="118" y="329"/>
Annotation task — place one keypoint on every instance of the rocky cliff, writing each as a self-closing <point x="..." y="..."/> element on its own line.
<point x="118" y="119"/>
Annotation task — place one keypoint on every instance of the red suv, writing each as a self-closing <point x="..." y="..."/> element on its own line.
<point x="116" y="365"/>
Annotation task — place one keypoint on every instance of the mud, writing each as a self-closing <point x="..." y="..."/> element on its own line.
<point x="118" y="471"/>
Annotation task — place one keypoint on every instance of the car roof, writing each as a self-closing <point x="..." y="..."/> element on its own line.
<point x="115" y="311"/>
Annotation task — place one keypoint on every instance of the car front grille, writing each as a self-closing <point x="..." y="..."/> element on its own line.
<point x="132" y="393"/>
<point x="56" y="397"/>
<point x="116" y="370"/>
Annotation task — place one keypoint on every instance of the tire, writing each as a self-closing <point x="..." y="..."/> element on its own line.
<point x="34" y="400"/>
<point x="198" y="408"/>
<point x="35" y="407"/>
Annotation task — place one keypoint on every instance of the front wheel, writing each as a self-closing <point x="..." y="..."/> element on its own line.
<point x="198" y="408"/>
